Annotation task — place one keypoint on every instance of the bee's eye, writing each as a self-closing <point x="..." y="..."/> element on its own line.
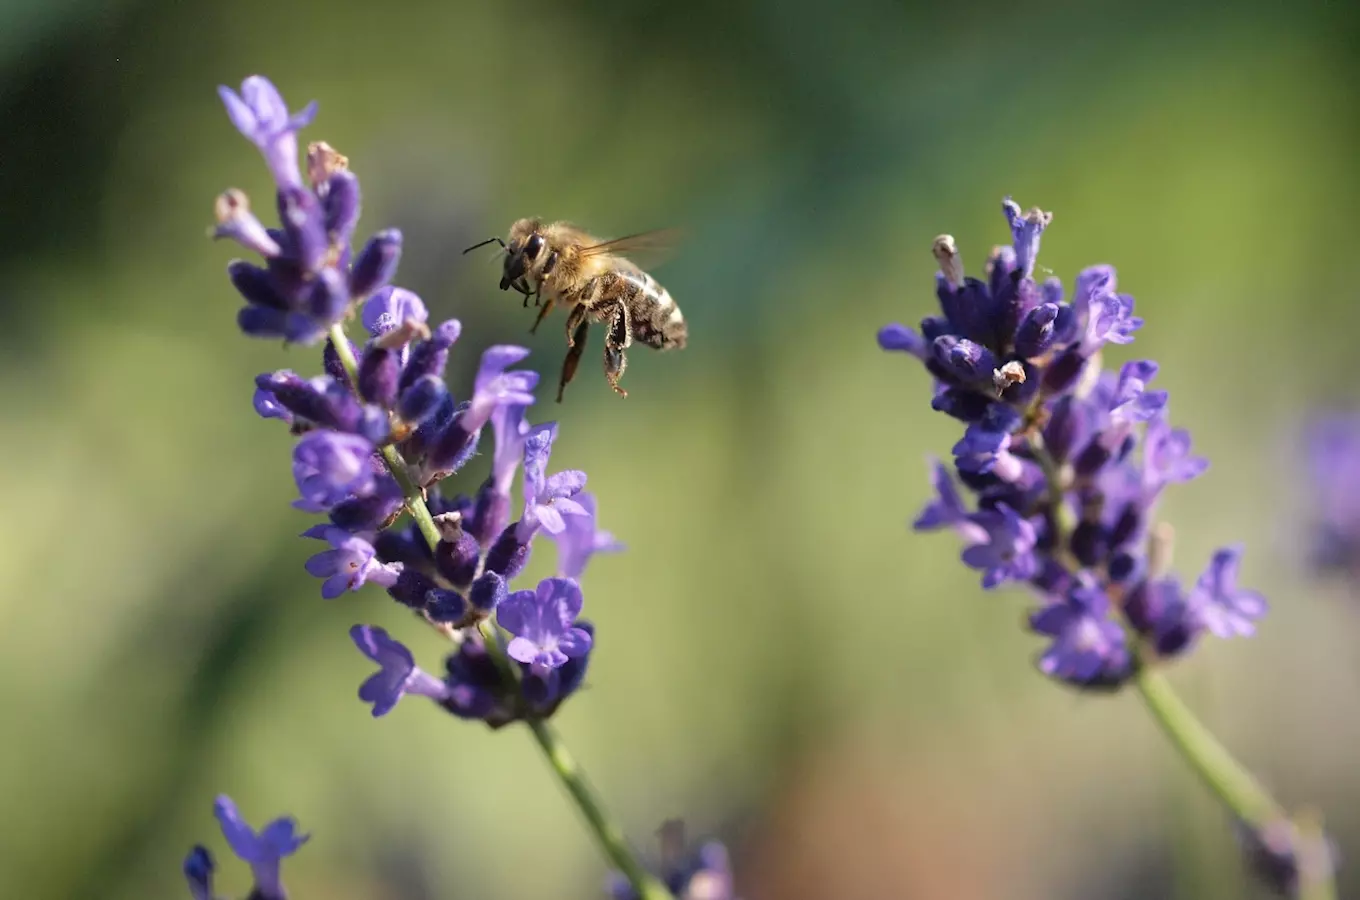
<point x="534" y="244"/>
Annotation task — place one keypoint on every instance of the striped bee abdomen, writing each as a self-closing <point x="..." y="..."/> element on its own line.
<point x="657" y="321"/>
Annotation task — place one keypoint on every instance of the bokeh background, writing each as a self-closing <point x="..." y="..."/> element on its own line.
<point x="781" y="661"/>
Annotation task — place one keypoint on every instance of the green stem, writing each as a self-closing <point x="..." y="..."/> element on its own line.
<point x="609" y="836"/>
<point x="1212" y="762"/>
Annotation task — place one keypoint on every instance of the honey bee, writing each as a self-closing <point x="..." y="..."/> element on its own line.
<point x="559" y="263"/>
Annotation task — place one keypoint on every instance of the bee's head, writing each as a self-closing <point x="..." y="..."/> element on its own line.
<point x="523" y="251"/>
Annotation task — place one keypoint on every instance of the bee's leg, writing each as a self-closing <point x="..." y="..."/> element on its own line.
<point x="576" y="345"/>
<point x="616" y="340"/>
<point x="577" y="315"/>
<point x="542" y="311"/>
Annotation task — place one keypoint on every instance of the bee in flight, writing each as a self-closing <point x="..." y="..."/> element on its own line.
<point x="559" y="263"/>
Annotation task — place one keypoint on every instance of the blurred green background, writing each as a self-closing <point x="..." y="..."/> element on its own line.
<point x="781" y="662"/>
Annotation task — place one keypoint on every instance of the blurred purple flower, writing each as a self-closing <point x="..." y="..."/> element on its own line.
<point x="198" y="871"/>
<point x="1008" y="554"/>
<point x="580" y="539"/>
<point x="1225" y="609"/>
<point x="263" y="850"/>
<point x="1088" y="646"/>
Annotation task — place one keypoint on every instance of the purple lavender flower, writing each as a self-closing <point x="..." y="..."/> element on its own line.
<point x="1284" y="857"/>
<point x="236" y="222"/>
<point x="269" y="407"/>
<point x="901" y="338"/>
<point x="546" y="499"/>
<point x="390" y="307"/>
<point x="1089" y="648"/>
<point x="198" y="871"/>
<point x="263" y="850"/>
<point x="493" y="500"/>
<point x="1224" y="608"/>
<point x="496" y="385"/>
<point x="1066" y="462"/>
<point x="1008" y="554"/>
<point x="376" y="263"/>
<point x="1166" y="456"/>
<point x="349" y="564"/>
<point x="1026" y="227"/>
<point x="1132" y="401"/>
<point x="329" y="467"/>
<point x="260" y="114"/>
<point x="543" y="622"/>
<point x="704" y="873"/>
<point x="1160" y="611"/>
<point x="947" y="510"/>
<point x="1332" y="452"/>
<point x="580" y="539"/>
<point x="308" y="283"/>
<point x="399" y="675"/>
<point x="476" y="689"/>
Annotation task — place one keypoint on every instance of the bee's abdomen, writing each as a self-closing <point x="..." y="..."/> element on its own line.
<point x="657" y="321"/>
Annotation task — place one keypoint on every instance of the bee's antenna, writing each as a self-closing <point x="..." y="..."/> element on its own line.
<point x="490" y="240"/>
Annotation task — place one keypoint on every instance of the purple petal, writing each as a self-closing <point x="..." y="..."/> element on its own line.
<point x="569" y="507"/>
<point x="240" y="836"/>
<point x="325" y="563"/>
<point x="522" y="649"/>
<point x="565" y="593"/>
<point x="241" y="115"/>
<point x="565" y="484"/>
<point x="512" y="613"/>
<point x="575" y="643"/>
<point x="550" y="520"/>
<point x="900" y="337"/>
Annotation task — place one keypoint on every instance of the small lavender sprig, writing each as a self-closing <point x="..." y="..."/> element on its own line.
<point x="380" y="431"/>
<point x="1067" y="462"/>
<point x="1332" y="456"/>
<point x="263" y="850"/>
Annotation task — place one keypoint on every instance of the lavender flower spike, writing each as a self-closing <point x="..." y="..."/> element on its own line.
<point x="399" y="674"/>
<point x="263" y="850"/>
<point x="260" y="114"/>
<point x="1065" y="463"/>
<point x="543" y="622"/>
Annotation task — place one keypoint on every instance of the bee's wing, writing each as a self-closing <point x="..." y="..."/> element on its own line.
<point x="651" y="246"/>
